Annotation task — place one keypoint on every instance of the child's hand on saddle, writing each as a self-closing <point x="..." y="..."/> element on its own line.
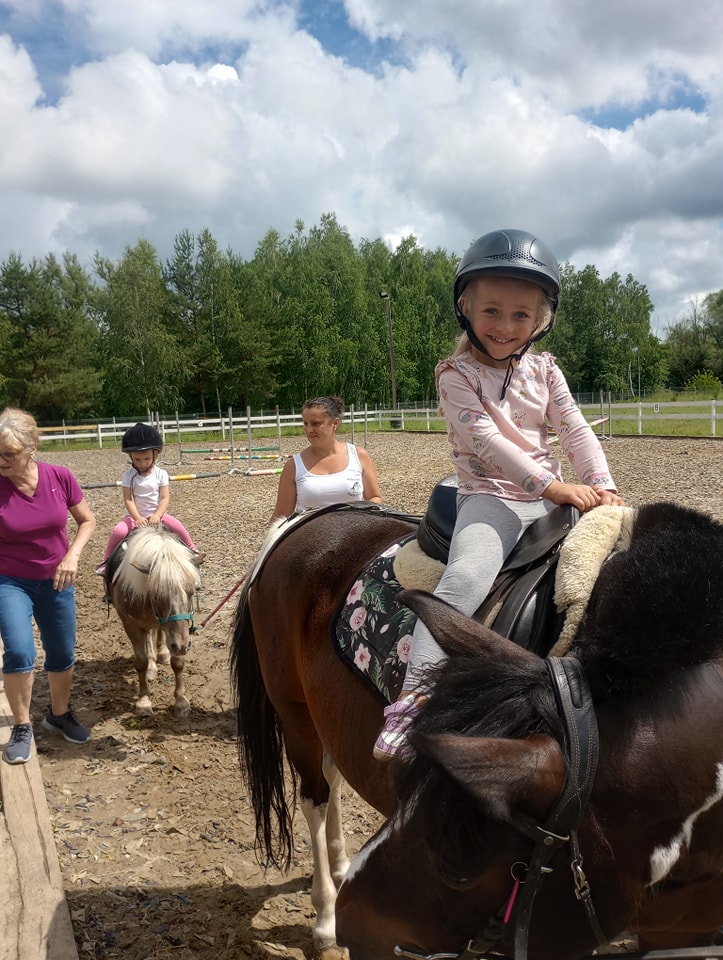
<point x="577" y="494"/>
<point x="142" y="522"/>
<point x="609" y="498"/>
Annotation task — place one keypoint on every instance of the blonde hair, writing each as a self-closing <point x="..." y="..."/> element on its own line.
<point x="544" y="316"/>
<point x="18" y="430"/>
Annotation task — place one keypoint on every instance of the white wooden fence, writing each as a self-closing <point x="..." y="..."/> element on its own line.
<point x="237" y="429"/>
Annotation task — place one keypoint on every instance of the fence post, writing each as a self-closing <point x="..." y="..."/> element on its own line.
<point x="640" y="417"/>
<point x="230" y="433"/>
<point x="712" y="417"/>
<point x="248" y="430"/>
<point x="100" y="438"/>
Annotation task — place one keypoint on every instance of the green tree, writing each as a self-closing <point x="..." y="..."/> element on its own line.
<point x="220" y="346"/>
<point x="602" y="329"/>
<point x="687" y="348"/>
<point x="144" y="359"/>
<point x="50" y="337"/>
<point x="713" y="325"/>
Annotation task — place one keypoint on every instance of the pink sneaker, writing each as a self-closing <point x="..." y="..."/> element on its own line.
<point x="392" y="740"/>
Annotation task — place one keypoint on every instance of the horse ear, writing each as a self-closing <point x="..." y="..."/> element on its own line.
<point x="501" y="775"/>
<point x="144" y="568"/>
<point x="457" y="634"/>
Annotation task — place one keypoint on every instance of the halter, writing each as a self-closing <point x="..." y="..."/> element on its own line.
<point x="174" y="617"/>
<point x="575" y="707"/>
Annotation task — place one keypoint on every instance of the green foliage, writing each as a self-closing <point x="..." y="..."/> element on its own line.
<point x="705" y="382"/>
<point x="144" y="360"/>
<point x="696" y="342"/>
<point x="208" y="329"/>
<point x="602" y="333"/>
<point x="48" y="337"/>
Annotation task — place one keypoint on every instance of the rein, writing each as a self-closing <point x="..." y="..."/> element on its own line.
<point x="575" y="707"/>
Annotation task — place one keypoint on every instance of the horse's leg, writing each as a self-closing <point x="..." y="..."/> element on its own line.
<point x="151" y="671"/>
<point x="182" y="705"/>
<point x="335" y="840"/>
<point x="323" y="888"/>
<point x="144" y="662"/>
<point x="163" y="654"/>
<point x="306" y="755"/>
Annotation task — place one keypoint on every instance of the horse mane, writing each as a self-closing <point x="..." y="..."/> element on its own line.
<point x="471" y="695"/>
<point x="656" y="608"/>
<point x="167" y="559"/>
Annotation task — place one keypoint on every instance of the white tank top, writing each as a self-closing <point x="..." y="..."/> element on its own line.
<point x="321" y="490"/>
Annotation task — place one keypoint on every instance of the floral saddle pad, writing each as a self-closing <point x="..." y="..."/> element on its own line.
<point x="372" y="631"/>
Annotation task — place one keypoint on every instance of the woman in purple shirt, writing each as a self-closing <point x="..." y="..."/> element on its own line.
<point x="38" y="568"/>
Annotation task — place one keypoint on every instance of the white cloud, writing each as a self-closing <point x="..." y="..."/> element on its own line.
<point x="226" y="115"/>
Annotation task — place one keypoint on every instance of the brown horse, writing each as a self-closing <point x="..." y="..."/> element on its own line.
<point x="154" y="582"/>
<point x="505" y="785"/>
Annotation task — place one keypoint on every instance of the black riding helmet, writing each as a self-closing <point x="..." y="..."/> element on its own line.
<point x="509" y="253"/>
<point x="141" y="437"/>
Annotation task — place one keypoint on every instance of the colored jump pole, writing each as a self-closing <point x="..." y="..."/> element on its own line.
<point x="178" y="476"/>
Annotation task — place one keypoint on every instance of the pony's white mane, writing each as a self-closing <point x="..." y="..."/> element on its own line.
<point x="168" y="561"/>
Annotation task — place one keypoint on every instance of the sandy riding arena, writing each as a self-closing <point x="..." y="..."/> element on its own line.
<point x="153" y="829"/>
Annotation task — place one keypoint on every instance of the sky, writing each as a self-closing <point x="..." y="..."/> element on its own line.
<point x="597" y="126"/>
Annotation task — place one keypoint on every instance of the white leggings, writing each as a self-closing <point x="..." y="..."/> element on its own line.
<point x="486" y="530"/>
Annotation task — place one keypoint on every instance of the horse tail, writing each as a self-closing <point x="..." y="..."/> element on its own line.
<point x="261" y="744"/>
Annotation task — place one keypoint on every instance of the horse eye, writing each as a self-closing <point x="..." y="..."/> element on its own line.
<point x="454" y="878"/>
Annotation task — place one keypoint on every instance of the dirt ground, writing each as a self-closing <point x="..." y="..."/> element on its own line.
<point x="153" y="829"/>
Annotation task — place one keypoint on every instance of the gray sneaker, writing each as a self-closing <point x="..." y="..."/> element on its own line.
<point x="67" y="725"/>
<point x="18" y="748"/>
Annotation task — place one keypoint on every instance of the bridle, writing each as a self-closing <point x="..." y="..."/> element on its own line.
<point x="576" y="710"/>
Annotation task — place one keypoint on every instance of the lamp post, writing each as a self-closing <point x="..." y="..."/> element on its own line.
<point x="388" y="300"/>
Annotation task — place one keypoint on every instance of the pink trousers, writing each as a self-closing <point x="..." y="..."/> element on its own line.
<point x="122" y="529"/>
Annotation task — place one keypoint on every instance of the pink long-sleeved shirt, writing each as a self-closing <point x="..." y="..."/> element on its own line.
<point x="502" y="448"/>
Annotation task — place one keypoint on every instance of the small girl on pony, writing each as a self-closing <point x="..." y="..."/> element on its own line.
<point x="146" y="492"/>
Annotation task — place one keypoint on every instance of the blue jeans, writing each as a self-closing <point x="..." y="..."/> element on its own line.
<point x="54" y="612"/>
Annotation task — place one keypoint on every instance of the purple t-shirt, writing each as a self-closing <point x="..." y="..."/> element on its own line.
<point x="33" y="530"/>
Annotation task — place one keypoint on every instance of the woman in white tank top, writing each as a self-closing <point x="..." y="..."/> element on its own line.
<point x="327" y="471"/>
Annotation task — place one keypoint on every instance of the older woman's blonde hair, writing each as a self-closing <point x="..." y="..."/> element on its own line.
<point x="18" y="430"/>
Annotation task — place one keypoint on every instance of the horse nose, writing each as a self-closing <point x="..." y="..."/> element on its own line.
<point x="179" y="644"/>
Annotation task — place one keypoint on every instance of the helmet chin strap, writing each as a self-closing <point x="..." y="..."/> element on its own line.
<point x="510" y="357"/>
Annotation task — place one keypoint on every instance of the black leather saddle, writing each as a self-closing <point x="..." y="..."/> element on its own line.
<point x="520" y="605"/>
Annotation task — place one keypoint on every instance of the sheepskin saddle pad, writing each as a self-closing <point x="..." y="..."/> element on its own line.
<point x="542" y="592"/>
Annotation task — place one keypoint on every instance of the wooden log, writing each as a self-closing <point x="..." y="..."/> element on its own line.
<point x="34" y="915"/>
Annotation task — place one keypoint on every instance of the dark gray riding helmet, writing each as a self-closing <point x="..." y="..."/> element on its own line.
<point x="510" y="253"/>
<point x="141" y="437"/>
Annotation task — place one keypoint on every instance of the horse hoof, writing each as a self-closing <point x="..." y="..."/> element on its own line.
<point x="144" y="708"/>
<point x="181" y="709"/>
<point x="331" y="953"/>
<point x="151" y="674"/>
<point x="164" y="658"/>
